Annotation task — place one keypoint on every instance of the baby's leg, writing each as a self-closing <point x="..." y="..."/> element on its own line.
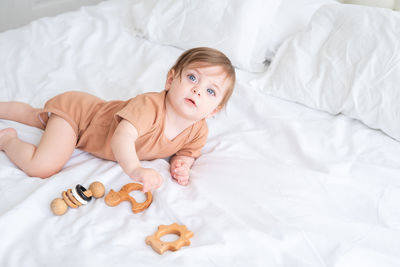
<point x="54" y="150"/>
<point x="20" y="112"/>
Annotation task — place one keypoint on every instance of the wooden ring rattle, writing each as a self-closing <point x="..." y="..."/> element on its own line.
<point x="115" y="198"/>
<point x="160" y="247"/>
<point x="76" y="197"/>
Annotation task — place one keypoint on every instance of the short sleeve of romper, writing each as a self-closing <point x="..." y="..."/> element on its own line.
<point x="196" y="140"/>
<point x="141" y="111"/>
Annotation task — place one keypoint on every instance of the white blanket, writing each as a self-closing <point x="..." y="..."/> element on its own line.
<point x="278" y="184"/>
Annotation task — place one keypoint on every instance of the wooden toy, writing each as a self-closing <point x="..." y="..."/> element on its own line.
<point x="160" y="247"/>
<point x="97" y="189"/>
<point x="58" y="206"/>
<point x="115" y="198"/>
<point x="76" y="197"/>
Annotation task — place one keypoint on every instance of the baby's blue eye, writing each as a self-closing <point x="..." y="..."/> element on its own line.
<point x="210" y="91"/>
<point x="192" y="77"/>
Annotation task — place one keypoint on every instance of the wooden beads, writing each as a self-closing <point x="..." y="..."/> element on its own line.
<point x="76" y="197"/>
<point x="97" y="189"/>
<point x="58" y="206"/>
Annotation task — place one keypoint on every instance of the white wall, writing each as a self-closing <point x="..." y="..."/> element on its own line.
<point x="16" y="13"/>
<point x="392" y="4"/>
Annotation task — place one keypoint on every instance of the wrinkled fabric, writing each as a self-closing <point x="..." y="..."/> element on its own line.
<point x="278" y="184"/>
<point x="348" y="61"/>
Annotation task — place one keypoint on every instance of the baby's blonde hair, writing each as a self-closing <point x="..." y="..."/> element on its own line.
<point x="206" y="56"/>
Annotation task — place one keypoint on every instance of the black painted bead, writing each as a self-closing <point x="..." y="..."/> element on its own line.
<point x="80" y="189"/>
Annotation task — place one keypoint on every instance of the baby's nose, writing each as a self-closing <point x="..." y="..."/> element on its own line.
<point x="196" y="91"/>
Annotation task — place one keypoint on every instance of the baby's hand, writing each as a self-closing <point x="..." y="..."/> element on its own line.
<point x="150" y="178"/>
<point x="180" y="171"/>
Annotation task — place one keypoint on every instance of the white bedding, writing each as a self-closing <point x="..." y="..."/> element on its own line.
<point x="326" y="68"/>
<point x="278" y="184"/>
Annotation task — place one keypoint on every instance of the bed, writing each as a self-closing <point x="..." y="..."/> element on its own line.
<point x="301" y="168"/>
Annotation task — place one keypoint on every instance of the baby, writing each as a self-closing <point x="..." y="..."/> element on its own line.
<point x="148" y="126"/>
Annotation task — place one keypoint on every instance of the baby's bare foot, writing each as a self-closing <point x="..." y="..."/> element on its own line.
<point x="5" y="135"/>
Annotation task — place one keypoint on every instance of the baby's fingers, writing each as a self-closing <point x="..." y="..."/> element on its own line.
<point x="179" y="169"/>
<point x="178" y="163"/>
<point x="183" y="181"/>
<point x="146" y="187"/>
<point x="181" y="177"/>
<point x="151" y="184"/>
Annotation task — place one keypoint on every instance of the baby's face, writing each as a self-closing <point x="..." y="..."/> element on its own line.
<point x="198" y="92"/>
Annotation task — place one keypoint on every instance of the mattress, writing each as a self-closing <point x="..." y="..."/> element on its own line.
<point x="277" y="184"/>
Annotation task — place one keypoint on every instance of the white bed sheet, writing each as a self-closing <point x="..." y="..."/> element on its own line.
<point x="278" y="184"/>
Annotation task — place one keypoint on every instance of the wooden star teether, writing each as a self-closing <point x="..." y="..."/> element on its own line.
<point x="76" y="197"/>
<point x="160" y="247"/>
<point x="115" y="198"/>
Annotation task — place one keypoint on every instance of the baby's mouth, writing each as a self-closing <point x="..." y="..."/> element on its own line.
<point x="190" y="101"/>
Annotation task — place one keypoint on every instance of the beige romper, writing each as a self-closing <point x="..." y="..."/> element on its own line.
<point x="95" y="120"/>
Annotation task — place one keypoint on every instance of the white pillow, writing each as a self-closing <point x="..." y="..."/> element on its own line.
<point x="232" y="26"/>
<point x="292" y="16"/>
<point x="347" y="62"/>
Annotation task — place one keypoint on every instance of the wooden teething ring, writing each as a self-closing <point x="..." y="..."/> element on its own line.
<point x="160" y="247"/>
<point x="114" y="198"/>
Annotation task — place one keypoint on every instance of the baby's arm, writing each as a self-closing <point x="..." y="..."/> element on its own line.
<point x="180" y="168"/>
<point x="123" y="147"/>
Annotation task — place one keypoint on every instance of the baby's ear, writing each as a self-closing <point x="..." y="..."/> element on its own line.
<point x="215" y="111"/>
<point x="170" y="78"/>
